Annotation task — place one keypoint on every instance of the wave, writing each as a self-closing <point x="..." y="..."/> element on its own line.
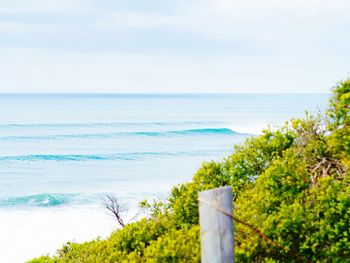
<point x="208" y="131"/>
<point x="63" y="199"/>
<point x="53" y="157"/>
<point x="128" y="156"/>
<point x="101" y="124"/>
<point x="204" y="131"/>
<point x="40" y="200"/>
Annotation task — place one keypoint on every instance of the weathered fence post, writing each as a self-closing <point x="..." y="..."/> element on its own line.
<point x="216" y="223"/>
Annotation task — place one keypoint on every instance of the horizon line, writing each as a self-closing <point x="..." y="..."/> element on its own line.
<point x="164" y="94"/>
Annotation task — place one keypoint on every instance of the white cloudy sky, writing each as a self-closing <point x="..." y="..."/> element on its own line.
<point x="158" y="46"/>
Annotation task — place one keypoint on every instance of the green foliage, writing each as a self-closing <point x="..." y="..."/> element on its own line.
<point x="45" y="259"/>
<point x="339" y="119"/>
<point x="292" y="183"/>
<point x="176" y="246"/>
<point x="311" y="221"/>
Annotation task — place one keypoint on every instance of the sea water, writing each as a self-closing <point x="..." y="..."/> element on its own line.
<point x="60" y="155"/>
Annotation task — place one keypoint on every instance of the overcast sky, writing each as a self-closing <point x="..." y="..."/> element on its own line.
<point x="159" y="46"/>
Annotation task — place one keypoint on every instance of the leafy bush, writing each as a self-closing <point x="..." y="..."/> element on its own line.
<point x="293" y="184"/>
<point x="339" y="119"/>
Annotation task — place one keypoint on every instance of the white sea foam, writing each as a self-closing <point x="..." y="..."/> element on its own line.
<point x="252" y="128"/>
<point x="29" y="233"/>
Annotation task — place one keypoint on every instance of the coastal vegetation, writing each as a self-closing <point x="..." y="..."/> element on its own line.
<point x="291" y="183"/>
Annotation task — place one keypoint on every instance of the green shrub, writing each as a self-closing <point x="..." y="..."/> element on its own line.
<point x="339" y="119"/>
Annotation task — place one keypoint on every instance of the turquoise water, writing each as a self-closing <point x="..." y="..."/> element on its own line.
<point x="59" y="150"/>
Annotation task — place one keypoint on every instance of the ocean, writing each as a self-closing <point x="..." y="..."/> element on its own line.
<point x="60" y="155"/>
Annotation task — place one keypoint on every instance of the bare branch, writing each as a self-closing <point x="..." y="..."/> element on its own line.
<point x="115" y="208"/>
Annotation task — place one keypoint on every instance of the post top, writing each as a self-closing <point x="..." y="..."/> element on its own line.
<point x="219" y="189"/>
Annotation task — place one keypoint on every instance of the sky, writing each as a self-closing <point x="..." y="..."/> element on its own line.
<point x="182" y="46"/>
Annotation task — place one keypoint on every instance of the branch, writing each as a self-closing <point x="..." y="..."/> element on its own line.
<point x="115" y="208"/>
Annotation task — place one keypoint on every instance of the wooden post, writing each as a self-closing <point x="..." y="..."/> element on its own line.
<point x="215" y="208"/>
